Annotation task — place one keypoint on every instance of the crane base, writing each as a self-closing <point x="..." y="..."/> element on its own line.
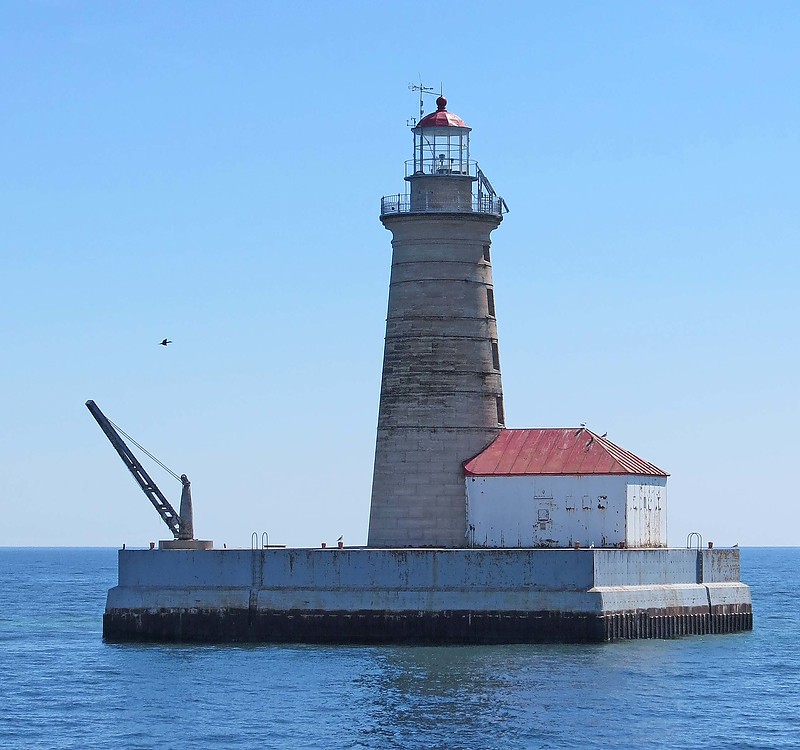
<point x="185" y="544"/>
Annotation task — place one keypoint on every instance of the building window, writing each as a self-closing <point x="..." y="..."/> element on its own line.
<point x="501" y="418"/>
<point x="486" y="255"/>
<point x="490" y="301"/>
<point x="495" y="356"/>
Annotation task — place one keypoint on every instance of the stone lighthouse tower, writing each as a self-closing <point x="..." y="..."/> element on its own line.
<point x="441" y="394"/>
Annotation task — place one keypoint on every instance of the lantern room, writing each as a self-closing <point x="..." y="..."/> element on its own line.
<point x="441" y="144"/>
<point x="441" y="178"/>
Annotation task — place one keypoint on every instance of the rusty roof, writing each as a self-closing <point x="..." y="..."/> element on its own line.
<point x="554" y="451"/>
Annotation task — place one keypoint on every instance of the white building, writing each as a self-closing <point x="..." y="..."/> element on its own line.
<point x="557" y="487"/>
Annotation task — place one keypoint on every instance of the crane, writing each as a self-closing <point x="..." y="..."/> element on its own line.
<point x="181" y="525"/>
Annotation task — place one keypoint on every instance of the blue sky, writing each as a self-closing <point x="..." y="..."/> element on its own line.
<point x="212" y="172"/>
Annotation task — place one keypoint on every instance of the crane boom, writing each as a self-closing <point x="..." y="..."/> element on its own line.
<point x="149" y="487"/>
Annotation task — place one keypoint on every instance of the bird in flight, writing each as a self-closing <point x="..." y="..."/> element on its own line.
<point x="165" y="342"/>
<point x="340" y="538"/>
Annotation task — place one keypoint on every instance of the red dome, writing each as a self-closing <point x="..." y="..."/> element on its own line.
<point x="441" y="118"/>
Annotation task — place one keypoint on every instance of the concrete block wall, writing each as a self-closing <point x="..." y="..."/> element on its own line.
<point x="646" y="567"/>
<point x="433" y="193"/>
<point x="440" y="383"/>
<point x="418" y="486"/>
<point x="360" y="580"/>
<point x="720" y="565"/>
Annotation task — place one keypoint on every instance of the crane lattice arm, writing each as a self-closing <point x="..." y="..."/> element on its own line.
<point x="149" y="487"/>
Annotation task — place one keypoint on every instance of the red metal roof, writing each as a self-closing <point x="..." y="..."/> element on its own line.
<point x="556" y="450"/>
<point x="441" y="118"/>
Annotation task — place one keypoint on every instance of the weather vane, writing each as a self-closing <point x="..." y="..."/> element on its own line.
<point x="422" y="90"/>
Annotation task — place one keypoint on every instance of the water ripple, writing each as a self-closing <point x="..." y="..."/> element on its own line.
<point x="62" y="687"/>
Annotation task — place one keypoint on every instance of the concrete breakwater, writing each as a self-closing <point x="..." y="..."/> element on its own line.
<point x="424" y="595"/>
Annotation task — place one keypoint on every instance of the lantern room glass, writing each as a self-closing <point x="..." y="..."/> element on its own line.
<point x="441" y="151"/>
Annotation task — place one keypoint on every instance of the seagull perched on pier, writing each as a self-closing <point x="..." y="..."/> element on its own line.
<point x="165" y="342"/>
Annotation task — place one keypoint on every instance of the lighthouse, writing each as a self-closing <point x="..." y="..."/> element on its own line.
<point x="510" y="535"/>
<point x="441" y="398"/>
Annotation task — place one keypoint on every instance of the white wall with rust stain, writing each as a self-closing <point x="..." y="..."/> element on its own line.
<point x="602" y="510"/>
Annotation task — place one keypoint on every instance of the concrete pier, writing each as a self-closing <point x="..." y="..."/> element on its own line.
<point x="435" y="596"/>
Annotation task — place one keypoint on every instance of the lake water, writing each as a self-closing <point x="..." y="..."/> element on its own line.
<point x="62" y="687"/>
